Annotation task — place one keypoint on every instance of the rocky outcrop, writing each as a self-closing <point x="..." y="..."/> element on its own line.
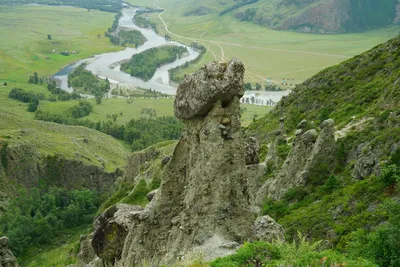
<point x="198" y="93"/>
<point x="25" y="166"/>
<point x="309" y="149"/>
<point x="267" y="229"/>
<point x="7" y="259"/>
<point x="202" y="198"/>
<point x="202" y="206"/>
<point x="111" y="228"/>
<point x="252" y="147"/>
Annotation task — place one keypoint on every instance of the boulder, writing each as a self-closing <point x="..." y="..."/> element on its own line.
<point x="111" y="228"/>
<point x="267" y="229"/>
<point x="198" y="92"/>
<point x="252" y="147"/>
<point x="7" y="258"/>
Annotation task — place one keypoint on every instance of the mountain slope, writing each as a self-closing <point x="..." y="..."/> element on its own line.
<point x="352" y="201"/>
<point x="65" y="156"/>
<point x="316" y="16"/>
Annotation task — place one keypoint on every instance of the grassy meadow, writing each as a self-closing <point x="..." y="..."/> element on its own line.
<point x="133" y="110"/>
<point x="26" y="47"/>
<point x="266" y="53"/>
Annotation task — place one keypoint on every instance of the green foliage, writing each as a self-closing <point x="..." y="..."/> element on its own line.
<point x="390" y="175"/>
<point x="382" y="245"/>
<point x="132" y="37"/>
<point x="81" y="78"/>
<point x="138" y="195"/>
<point x="296" y="253"/>
<point x="144" y="22"/>
<point x="25" y="96"/>
<point x="237" y="5"/>
<point x="332" y="183"/>
<point x="81" y="110"/>
<point x="138" y="133"/>
<point x="251" y="254"/>
<point x="283" y="149"/>
<point x="58" y="93"/>
<point x="35" y="216"/>
<point x="174" y="73"/>
<point x="145" y="64"/>
<point x="33" y="105"/>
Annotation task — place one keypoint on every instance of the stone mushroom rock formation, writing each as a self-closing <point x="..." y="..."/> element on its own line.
<point x="202" y="198"/>
<point x="7" y="258"/>
<point x="202" y="206"/>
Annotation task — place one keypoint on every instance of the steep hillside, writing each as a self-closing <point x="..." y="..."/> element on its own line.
<point x="68" y="156"/>
<point x="322" y="16"/>
<point x="338" y="184"/>
<point x="316" y="16"/>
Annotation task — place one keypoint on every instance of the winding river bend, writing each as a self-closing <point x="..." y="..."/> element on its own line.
<point x="107" y="65"/>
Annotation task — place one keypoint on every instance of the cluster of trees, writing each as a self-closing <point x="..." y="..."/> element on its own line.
<point x="88" y="81"/>
<point x="145" y="64"/>
<point x="33" y="98"/>
<point x="174" y="73"/>
<point x="139" y="133"/>
<point x="58" y="93"/>
<point x="247" y="15"/>
<point x="35" y="79"/>
<point x="81" y="110"/>
<point x="27" y="97"/>
<point x="144" y="22"/>
<point x="114" y="26"/>
<point x="34" y="217"/>
<point x="133" y="37"/>
<point x="124" y="38"/>
<point x="103" y="5"/>
<point x="237" y="5"/>
<point x="258" y="86"/>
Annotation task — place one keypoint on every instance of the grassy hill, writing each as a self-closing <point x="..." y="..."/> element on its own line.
<point x="72" y="142"/>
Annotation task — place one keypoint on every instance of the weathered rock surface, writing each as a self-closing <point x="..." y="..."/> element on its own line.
<point x="111" y="228"/>
<point x="202" y="198"/>
<point x="367" y="161"/>
<point x="197" y="94"/>
<point x="25" y="165"/>
<point x="7" y="259"/>
<point x="86" y="254"/>
<point x="267" y="229"/>
<point x="202" y="207"/>
<point x="252" y="147"/>
<point x="308" y="150"/>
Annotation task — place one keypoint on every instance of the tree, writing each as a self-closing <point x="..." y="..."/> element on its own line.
<point x="49" y="37"/>
<point x="258" y="86"/>
<point x="5" y="84"/>
<point x="98" y="100"/>
<point x="33" y="105"/>
<point x="247" y="86"/>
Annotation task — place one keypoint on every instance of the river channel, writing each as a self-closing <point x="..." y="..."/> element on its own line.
<point x="107" y="65"/>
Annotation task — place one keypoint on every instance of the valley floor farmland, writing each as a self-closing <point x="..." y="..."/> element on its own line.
<point x="266" y="53"/>
<point x="25" y="46"/>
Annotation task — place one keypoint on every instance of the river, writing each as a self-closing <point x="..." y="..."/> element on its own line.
<point x="107" y="65"/>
